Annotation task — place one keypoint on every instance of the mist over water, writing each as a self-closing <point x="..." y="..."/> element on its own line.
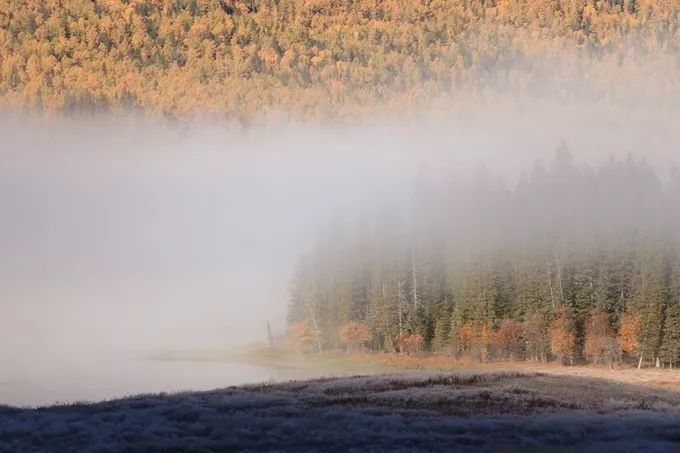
<point x="126" y="235"/>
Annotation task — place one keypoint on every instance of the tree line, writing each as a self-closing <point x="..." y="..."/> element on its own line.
<point x="573" y="262"/>
<point x="317" y="58"/>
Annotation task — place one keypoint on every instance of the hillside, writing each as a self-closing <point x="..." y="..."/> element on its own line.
<point x="329" y="58"/>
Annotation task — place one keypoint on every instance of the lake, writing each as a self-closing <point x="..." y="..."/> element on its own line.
<point x="44" y="380"/>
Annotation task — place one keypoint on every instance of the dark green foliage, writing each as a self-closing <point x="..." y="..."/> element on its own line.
<point x="471" y="258"/>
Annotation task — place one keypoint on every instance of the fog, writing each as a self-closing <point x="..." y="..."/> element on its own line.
<point x="127" y="233"/>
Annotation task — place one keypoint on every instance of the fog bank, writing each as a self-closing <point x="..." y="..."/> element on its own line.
<point x="127" y="233"/>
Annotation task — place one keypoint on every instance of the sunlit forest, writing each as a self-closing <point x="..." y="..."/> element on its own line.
<point x="320" y="58"/>
<point x="572" y="262"/>
<point x="340" y="225"/>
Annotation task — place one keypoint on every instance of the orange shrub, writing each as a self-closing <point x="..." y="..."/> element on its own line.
<point x="412" y="343"/>
<point x="562" y="340"/>
<point x="628" y="335"/>
<point x="355" y="333"/>
<point x="485" y="336"/>
<point x="507" y="338"/>
<point x="599" y="342"/>
<point x="466" y="334"/>
<point x="301" y="334"/>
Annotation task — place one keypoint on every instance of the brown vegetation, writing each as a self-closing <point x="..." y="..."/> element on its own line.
<point x="629" y="333"/>
<point x="301" y="335"/>
<point x="605" y="286"/>
<point x="246" y="57"/>
<point x="355" y="333"/>
<point x="412" y="343"/>
<point x="561" y="338"/>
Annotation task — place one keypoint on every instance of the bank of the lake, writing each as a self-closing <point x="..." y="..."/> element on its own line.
<point x="416" y="411"/>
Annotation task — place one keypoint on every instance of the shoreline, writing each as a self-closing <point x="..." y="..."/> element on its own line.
<point x="340" y="364"/>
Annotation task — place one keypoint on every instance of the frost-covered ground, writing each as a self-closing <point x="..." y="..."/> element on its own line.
<point x="477" y="411"/>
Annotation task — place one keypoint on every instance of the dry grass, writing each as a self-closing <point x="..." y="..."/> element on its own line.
<point x="651" y="377"/>
<point x="413" y="411"/>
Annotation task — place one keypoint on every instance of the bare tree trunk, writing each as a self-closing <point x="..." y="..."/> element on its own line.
<point x="640" y="362"/>
<point x="415" y="280"/>
<point x="317" y="333"/>
<point x="401" y="324"/>
<point x="550" y="284"/>
<point x="559" y="276"/>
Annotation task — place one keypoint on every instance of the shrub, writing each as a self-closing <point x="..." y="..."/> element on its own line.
<point x="562" y="340"/>
<point x="412" y="343"/>
<point x="301" y="334"/>
<point x="355" y="333"/>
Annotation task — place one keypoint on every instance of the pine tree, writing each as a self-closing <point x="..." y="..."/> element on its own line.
<point x="581" y="291"/>
<point x="670" y="345"/>
<point x="650" y="300"/>
<point x="442" y="329"/>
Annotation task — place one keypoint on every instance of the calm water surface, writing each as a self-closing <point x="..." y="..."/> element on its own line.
<point x="94" y="377"/>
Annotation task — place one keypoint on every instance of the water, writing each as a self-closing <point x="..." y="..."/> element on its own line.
<point x="35" y="381"/>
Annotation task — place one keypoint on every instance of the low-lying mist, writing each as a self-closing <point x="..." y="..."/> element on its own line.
<point x="124" y="233"/>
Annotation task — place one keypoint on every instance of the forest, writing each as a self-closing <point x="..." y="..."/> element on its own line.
<point x="573" y="262"/>
<point x="321" y="58"/>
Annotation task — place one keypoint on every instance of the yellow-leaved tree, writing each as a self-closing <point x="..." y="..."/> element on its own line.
<point x="355" y="333"/>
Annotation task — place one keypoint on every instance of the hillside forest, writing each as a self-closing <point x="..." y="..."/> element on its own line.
<point x="322" y="58"/>
<point x="576" y="263"/>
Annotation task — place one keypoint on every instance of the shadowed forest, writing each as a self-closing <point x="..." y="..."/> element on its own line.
<point x="573" y="262"/>
<point x="329" y="58"/>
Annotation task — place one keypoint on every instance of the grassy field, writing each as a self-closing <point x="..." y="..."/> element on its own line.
<point x="376" y="402"/>
<point x="480" y="410"/>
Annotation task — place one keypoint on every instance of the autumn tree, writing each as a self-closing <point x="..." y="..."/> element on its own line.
<point x="355" y="333"/>
<point x="494" y="272"/>
<point x="301" y="335"/>
<point x="600" y="343"/>
<point x="244" y="58"/>
<point x="466" y="337"/>
<point x="537" y="336"/>
<point x="507" y="340"/>
<point x="485" y="339"/>
<point x="412" y="343"/>
<point x="561" y="337"/>
<point x="628" y="339"/>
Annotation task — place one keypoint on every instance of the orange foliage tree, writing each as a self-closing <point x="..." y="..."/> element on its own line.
<point x="466" y="336"/>
<point x="412" y="343"/>
<point x="485" y="337"/>
<point x="355" y="333"/>
<point x="599" y="342"/>
<point x="301" y="334"/>
<point x="506" y="340"/>
<point x="628" y="335"/>
<point x="562" y="340"/>
<point x="243" y="58"/>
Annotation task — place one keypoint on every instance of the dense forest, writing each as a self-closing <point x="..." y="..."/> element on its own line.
<point x="314" y="58"/>
<point x="574" y="262"/>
